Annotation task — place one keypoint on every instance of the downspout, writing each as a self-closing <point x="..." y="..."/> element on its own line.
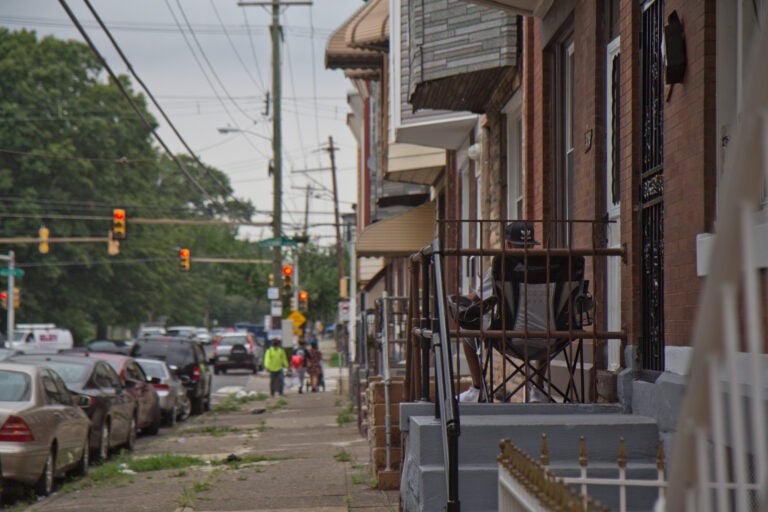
<point x="385" y="367"/>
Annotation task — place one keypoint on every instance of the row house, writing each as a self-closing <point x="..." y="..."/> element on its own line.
<point x="605" y="124"/>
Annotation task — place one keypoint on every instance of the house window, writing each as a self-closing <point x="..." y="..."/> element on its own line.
<point x="515" y="162"/>
<point x="562" y="109"/>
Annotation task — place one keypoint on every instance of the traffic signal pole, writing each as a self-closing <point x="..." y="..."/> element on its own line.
<point x="11" y="259"/>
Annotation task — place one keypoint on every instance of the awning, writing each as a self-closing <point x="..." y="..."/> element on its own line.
<point x="536" y="8"/>
<point x="339" y="55"/>
<point x="401" y="235"/>
<point x="411" y="163"/>
<point x="370" y="28"/>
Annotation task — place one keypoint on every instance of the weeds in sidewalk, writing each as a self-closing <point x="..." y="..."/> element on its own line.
<point x="211" y="430"/>
<point x="232" y="403"/>
<point x="346" y="415"/>
<point x="342" y="456"/>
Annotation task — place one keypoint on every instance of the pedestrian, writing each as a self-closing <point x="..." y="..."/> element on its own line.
<point x="299" y="363"/>
<point x="314" y="365"/>
<point x="276" y="361"/>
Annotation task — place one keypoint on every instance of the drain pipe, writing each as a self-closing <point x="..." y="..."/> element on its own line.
<point x="385" y="366"/>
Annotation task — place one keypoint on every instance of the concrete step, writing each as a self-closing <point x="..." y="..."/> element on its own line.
<point x="427" y="491"/>
<point x="481" y="434"/>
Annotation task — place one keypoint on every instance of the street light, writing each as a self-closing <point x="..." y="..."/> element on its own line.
<point x="234" y="129"/>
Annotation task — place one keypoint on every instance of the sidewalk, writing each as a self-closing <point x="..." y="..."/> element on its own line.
<point x="309" y="462"/>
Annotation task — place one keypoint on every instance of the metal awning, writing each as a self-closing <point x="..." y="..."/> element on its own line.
<point x="340" y="55"/>
<point x="370" y="28"/>
<point x="535" y="8"/>
<point x="411" y="163"/>
<point x="401" y="235"/>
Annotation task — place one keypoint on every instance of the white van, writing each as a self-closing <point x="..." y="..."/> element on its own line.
<point x="41" y="338"/>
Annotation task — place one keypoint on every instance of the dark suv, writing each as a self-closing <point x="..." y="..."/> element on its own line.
<point x="187" y="359"/>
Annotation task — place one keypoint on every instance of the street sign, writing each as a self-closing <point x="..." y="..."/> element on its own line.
<point x="17" y="272"/>
<point x="344" y="311"/>
<point x="273" y="293"/>
<point x="276" y="308"/>
<point x="297" y="318"/>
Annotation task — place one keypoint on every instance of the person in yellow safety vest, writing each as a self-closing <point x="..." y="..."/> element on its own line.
<point x="275" y="361"/>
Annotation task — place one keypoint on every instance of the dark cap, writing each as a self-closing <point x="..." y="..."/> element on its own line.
<point x="519" y="233"/>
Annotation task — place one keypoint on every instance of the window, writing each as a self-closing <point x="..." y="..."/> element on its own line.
<point x="562" y="61"/>
<point x="515" y="161"/>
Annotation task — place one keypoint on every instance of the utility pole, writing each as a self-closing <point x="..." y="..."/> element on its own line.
<point x="339" y="253"/>
<point x="276" y="32"/>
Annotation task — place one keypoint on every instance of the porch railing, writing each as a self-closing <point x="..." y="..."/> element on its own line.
<point x="720" y="459"/>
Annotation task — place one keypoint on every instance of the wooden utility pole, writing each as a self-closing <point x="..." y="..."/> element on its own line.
<point x="339" y="253"/>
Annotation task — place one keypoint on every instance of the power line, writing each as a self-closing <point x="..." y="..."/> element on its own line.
<point x="154" y="101"/>
<point x="234" y="48"/>
<point x="135" y="107"/>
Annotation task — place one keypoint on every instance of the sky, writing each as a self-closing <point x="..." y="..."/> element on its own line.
<point x="217" y="75"/>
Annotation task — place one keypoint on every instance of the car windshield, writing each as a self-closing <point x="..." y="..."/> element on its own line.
<point x="70" y="372"/>
<point x="233" y="340"/>
<point x="154" y="369"/>
<point x="15" y="386"/>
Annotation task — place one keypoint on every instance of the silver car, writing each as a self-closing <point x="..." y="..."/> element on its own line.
<point x="173" y="399"/>
<point x="44" y="433"/>
<point x="237" y="350"/>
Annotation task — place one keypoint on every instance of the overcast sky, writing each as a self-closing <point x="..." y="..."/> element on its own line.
<point x="225" y="85"/>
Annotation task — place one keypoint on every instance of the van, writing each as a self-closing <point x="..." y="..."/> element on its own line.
<point x="41" y="338"/>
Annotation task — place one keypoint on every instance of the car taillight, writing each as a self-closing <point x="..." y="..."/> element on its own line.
<point x="161" y="386"/>
<point x="196" y="374"/>
<point x="15" y="430"/>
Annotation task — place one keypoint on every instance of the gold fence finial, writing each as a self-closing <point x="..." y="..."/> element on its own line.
<point x="544" y="449"/>
<point x="622" y="454"/>
<point x="582" y="452"/>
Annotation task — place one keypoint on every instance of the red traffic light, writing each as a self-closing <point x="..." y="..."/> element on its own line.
<point x="303" y="295"/>
<point x="184" y="253"/>
<point x="287" y="270"/>
<point x="118" y="214"/>
<point x="3" y="296"/>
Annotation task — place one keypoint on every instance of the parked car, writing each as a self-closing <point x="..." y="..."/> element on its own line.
<point x="172" y="395"/>
<point x="237" y="350"/>
<point x="185" y="357"/>
<point x="5" y="353"/>
<point x="204" y="335"/>
<point x="44" y="432"/>
<point x="183" y="331"/>
<point x="110" y="407"/>
<point x="111" y="346"/>
<point x="148" y="413"/>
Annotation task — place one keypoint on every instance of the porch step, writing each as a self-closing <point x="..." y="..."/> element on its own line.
<point x="483" y="426"/>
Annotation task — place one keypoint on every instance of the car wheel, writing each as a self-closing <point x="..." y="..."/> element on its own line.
<point x="130" y="443"/>
<point x="197" y="405"/>
<point x="186" y="409"/>
<point x="103" y="453"/>
<point x="207" y="403"/>
<point x="44" y="486"/>
<point x="157" y="418"/>
<point x="85" y="460"/>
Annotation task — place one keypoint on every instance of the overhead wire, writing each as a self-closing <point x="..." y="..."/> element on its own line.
<point x="314" y="71"/>
<point x="135" y="107"/>
<point x="234" y="48"/>
<point x="225" y="190"/>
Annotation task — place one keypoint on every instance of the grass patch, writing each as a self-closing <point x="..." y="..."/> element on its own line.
<point x="346" y="416"/>
<point x="186" y="498"/>
<point x="166" y="461"/>
<point x="342" y="456"/>
<point x="334" y="360"/>
<point x="277" y="405"/>
<point x="202" y="486"/>
<point x="359" y="478"/>
<point x="211" y="430"/>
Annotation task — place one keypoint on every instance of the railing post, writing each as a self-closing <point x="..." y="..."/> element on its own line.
<point x="425" y="324"/>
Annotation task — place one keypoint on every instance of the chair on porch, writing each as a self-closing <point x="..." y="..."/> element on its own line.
<point x="544" y="304"/>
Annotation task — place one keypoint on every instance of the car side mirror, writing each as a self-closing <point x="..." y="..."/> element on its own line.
<point x="84" y="401"/>
<point x="154" y="380"/>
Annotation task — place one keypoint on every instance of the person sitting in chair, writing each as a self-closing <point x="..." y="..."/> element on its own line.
<point x="517" y="234"/>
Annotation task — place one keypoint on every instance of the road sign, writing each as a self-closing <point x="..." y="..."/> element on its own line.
<point x="344" y="311"/>
<point x="276" y="308"/>
<point x="273" y="293"/>
<point x="16" y="272"/>
<point x="283" y="241"/>
<point x="297" y="318"/>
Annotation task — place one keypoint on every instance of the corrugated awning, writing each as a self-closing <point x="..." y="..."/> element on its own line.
<point x="401" y="235"/>
<point x="411" y="163"/>
<point x="340" y="55"/>
<point x="370" y="28"/>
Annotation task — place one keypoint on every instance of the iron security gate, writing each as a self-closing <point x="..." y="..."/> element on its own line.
<point x="652" y="186"/>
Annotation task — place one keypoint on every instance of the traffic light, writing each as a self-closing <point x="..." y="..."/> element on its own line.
<point x="118" y="224"/>
<point x="303" y="301"/>
<point x="4" y="299"/>
<point x="184" y="260"/>
<point x="43" y="234"/>
<point x="287" y="279"/>
<point x="16" y="298"/>
<point x="113" y="246"/>
<point x="271" y="280"/>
